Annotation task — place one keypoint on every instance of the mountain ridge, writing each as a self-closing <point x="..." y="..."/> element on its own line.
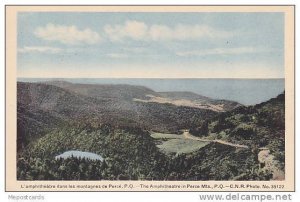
<point x="114" y="104"/>
<point x="53" y="120"/>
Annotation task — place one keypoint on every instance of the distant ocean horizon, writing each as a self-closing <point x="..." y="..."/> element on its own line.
<point x="244" y="91"/>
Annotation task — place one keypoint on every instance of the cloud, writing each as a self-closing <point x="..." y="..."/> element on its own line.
<point x="67" y="34"/>
<point x="117" y="55"/>
<point x="40" y="49"/>
<point x="135" y="49"/>
<point x="222" y="51"/>
<point x="131" y="29"/>
<point x="186" y="32"/>
<point x="137" y="30"/>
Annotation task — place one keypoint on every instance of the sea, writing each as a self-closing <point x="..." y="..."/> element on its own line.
<point x="244" y="91"/>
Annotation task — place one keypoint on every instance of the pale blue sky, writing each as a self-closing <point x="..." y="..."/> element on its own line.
<point x="143" y="45"/>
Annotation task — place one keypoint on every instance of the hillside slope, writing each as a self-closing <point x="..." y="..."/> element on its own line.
<point x="53" y="119"/>
<point x="46" y="106"/>
<point x="260" y="127"/>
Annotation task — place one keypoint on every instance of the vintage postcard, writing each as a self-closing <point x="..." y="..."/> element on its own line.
<point x="150" y="98"/>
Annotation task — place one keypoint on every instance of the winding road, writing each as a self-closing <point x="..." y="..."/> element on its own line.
<point x="187" y="135"/>
<point x="264" y="155"/>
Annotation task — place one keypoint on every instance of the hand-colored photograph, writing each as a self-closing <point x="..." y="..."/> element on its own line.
<point x="150" y="96"/>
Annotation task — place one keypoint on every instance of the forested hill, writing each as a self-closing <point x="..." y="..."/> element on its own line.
<point x="46" y="106"/>
<point x="258" y="122"/>
<point x="260" y="127"/>
<point x="128" y="127"/>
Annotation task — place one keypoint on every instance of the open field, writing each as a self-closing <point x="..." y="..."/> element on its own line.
<point x="181" y="146"/>
<point x="178" y="144"/>
<point x="166" y="136"/>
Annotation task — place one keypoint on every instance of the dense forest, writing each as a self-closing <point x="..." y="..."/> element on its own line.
<point x="107" y="120"/>
<point x="258" y="126"/>
<point x="130" y="154"/>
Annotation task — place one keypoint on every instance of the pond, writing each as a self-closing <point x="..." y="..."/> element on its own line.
<point x="79" y="154"/>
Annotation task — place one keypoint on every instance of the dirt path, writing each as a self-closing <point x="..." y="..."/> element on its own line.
<point x="187" y="135"/>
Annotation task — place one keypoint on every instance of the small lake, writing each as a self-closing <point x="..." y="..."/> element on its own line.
<point x="79" y="154"/>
